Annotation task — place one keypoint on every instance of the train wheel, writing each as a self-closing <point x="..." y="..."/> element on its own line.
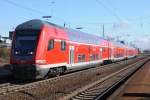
<point x="55" y="72"/>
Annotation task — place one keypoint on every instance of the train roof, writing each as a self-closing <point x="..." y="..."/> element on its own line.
<point x="83" y="37"/>
<point x="73" y="35"/>
<point x="118" y="44"/>
<point x="35" y="24"/>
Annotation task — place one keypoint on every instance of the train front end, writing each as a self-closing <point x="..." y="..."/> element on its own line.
<point x="24" y="47"/>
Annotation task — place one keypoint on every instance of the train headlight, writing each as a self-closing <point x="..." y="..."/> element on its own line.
<point x="31" y="53"/>
<point x="17" y="52"/>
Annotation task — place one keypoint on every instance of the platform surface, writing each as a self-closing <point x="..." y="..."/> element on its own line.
<point x="138" y="86"/>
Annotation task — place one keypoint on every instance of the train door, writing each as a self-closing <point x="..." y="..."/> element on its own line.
<point x="112" y="53"/>
<point x="101" y="51"/>
<point x="71" y="54"/>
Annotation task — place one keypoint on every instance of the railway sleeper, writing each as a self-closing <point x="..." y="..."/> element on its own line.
<point x="93" y="93"/>
<point x="87" y="95"/>
<point x="83" y="98"/>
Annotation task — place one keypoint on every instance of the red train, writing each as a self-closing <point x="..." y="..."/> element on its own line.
<point x="41" y="49"/>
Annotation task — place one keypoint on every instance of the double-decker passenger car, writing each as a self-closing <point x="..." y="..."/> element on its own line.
<point x="41" y="49"/>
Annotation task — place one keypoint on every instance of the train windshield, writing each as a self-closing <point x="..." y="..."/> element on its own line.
<point x="25" y="41"/>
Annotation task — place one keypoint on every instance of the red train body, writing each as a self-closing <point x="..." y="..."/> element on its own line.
<point x="41" y="49"/>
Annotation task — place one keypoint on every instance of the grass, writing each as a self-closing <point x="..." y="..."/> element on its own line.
<point x="4" y="53"/>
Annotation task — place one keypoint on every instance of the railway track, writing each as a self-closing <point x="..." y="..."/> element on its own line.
<point x="13" y="88"/>
<point x="102" y="88"/>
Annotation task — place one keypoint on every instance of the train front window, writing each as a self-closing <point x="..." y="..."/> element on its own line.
<point x="25" y="42"/>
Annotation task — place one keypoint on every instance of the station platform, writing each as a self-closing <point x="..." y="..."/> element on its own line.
<point x="137" y="87"/>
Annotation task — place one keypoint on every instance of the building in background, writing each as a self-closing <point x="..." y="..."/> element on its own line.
<point x="5" y="41"/>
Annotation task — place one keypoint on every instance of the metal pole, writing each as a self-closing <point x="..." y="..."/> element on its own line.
<point x="103" y="31"/>
<point x="64" y="24"/>
<point x="52" y="7"/>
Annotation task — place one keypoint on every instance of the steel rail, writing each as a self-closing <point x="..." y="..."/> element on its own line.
<point x="101" y="87"/>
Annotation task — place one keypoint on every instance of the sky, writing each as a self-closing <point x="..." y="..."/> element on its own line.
<point x="127" y="20"/>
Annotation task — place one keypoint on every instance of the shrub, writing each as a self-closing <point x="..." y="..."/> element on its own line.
<point x="4" y="53"/>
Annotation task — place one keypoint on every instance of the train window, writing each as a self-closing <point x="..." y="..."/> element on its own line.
<point x="83" y="58"/>
<point x="51" y="44"/>
<point x="79" y="58"/>
<point x="96" y="56"/>
<point x="91" y="57"/>
<point x="63" y="45"/>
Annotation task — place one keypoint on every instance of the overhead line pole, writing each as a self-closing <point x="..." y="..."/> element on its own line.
<point x="103" y="31"/>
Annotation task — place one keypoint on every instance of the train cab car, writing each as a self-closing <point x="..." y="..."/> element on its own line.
<point x="33" y="41"/>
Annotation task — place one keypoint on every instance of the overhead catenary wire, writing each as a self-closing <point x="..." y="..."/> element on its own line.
<point x="109" y="10"/>
<point x="23" y="7"/>
<point x="41" y="12"/>
<point x="11" y="2"/>
<point x="113" y="12"/>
